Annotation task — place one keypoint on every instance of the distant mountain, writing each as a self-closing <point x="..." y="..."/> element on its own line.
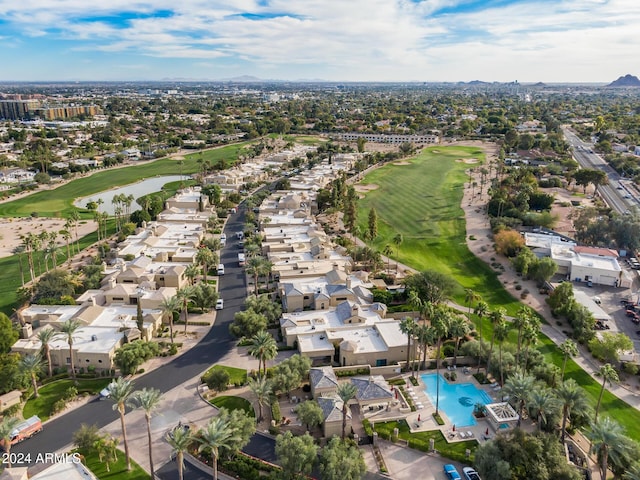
<point x="246" y="79"/>
<point x="626" y="81"/>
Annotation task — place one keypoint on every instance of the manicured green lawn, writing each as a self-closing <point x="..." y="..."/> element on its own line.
<point x="233" y="403"/>
<point x="420" y="440"/>
<point x="118" y="470"/>
<point x="54" y="391"/>
<point x="237" y="376"/>
<point x="59" y="202"/>
<point x="421" y="201"/>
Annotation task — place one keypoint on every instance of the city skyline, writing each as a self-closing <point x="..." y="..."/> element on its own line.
<point x="358" y="40"/>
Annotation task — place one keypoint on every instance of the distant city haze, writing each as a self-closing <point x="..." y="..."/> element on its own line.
<point x="573" y="41"/>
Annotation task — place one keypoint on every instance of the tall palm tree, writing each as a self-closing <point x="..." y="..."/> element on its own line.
<point x="148" y="399"/>
<point x="254" y="267"/>
<point x="633" y="473"/>
<point x="7" y="426"/>
<point x="263" y="347"/>
<point x="261" y="389"/>
<point x="458" y="328"/>
<point x="470" y="296"/>
<point x="568" y="348"/>
<point x="74" y="217"/>
<point x="387" y="252"/>
<point x="66" y="235"/>
<point x="46" y="335"/>
<point x="408" y="326"/>
<point x="168" y="307"/>
<point x="519" y="387"/>
<point x="397" y="241"/>
<point x="496" y="317"/>
<point x="440" y="322"/>
<point x="205" y="257"/>
<point x="69" y="329"/>
<point x="32" y="366"/>
<point x="180" y="440"/>
<point x="542" y="402"/>
<point x="481" y="310"/>
<point x="609" y="375"/>
<point x="425" y="335"/>
<point x="608" y="442"/>
<point x="571" y="397"/>
<point x="501" y="333"/>
<point x="191" y="272"/>
<point x="346" y="392"/>
<point x="185" y="295"/>
<point x="530" y="337"/>
<point x="120" y="391"/>
<point x="19" y="251"/>
<point x="217" y="434"/>
<point x="522" y="318"/>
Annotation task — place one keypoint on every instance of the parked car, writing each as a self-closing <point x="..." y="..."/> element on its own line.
<point x="470" y="474"/>
<point x="220" y="304"/>
<point x="451" y="472"/>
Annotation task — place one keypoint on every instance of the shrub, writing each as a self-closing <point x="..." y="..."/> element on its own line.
<point x="630" y="368"/>
<point x="275" y="411"/>
<point x="58" y="406"/>
<point x="70" y="393"/>
<point x="218" y="380"/>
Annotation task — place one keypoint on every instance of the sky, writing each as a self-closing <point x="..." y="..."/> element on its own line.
<point x="332" y="40"/>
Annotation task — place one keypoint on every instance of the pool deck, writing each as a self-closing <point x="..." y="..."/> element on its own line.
<point x="422" y="419"/>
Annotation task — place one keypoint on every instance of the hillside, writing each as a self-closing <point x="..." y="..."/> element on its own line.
<point x="626" y="81"/>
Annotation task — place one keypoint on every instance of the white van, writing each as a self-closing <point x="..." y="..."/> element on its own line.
<point x="221" y="269"/>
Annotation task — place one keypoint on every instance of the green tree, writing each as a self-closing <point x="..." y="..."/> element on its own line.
<point x="54" y="284"/>
<point x="542" y="403"/>
<point x="608" y="347"/>
<point x="261" y="388"/>
<point x="242" y="428"/>
<point x="568" y="349"/>
<point x="408" y="326"/>
<point x="180" y="440"/>
<point x="440" y="322"/>
<point x="204" y="296"/>
<point x="216" y="435"/>
<point x="296" y="455"/>
<point x="191" y="272"/>
<point x="264" y="348"/>
<point x="169" y="307"/>
<point x="218" y="380"/>
<point x="68" y="330"/>
<point x="373" y="224"/>
<point x="148" y="399"/>
<point x="346" y="392"/>
<point x="32" y="366"/>
<point x="247" y="323"/>
<point x="120" y="391"/>
<point x="263" y="305"/>
<point x="11" y="377"/>
<point x="458" y="329"/>
<point x="206" y="258"/>
<point x="131" y="355"/>
<point x="431" y="286"/>
<point x="571" y="397"/>
<point x="609" y="375"/>
<point x="85" y="437"/>
<point x="501" y="332"/>
<point x="519" y="387"/>
<point x="7" y="426"/>
<point x="496" y="317"/>
<point x="310" y="414"/>
<point x="341" y="460"/>
<point x="185" y="295"/>
<point x="8" y="334"/>
<point x="481" y="310"/>
<point x="542" y="270"/>
<point x="608" y="443"/>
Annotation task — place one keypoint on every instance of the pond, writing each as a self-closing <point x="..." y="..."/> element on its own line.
<point x="138" y="189"/>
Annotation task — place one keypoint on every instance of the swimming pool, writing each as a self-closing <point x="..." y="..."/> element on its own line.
<point x="456" y="399"/>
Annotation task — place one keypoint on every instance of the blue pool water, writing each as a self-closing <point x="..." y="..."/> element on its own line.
<point x="456" y="399"/>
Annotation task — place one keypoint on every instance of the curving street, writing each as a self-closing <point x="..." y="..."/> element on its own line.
<point x="214" y="345"/>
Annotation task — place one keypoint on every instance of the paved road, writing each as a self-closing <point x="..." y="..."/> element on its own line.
<point x="218" y="342"/>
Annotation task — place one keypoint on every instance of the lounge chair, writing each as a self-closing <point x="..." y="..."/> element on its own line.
<point x="469" y="434"/>
<point x="462" y="435"/>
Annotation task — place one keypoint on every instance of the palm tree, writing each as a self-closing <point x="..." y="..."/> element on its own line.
<point x="408" y="326"/>
<point x="496" y="317"/>
<point x="387" y="252"/>
<point x="120" y="391"/>
<point x="346" y="391"/>
<point x="206" y="258"/>
<point x="185" y="295"/>
<point x="568" y="348"/>
<point x="522" y="318"/>
<point x="519" y="387"/>
<point x="263" y="347"/>
<point x="425" y="335"/>
<point x="19" y="251"/>
<point x="440" y="322"/>
<point x="397" y="241"/>
<point x="254" y="267"/>
<point x="148" y="399"/>
<point x="66" y="234"/>
<point x="180" y="440"/>
<point x="481" y="311"/>
<point x="7" y="426"/>
<point x="46" y="335"/>
<point x="530" y="337"/>
<point x="541" y="402"/>
<point x="168" y="307"/>
<point x="608" y="442"/>
<point x="261" y="388"/>
<point x="217" y="434"/>
<point x="458" y="328"/>
<point x="69" y="329"/>
<point x="470" y="296"/>
<point x="32" y="366"/>
<point x="633" y="473"/>
<point x="74" y="217"/>
<point x="191" y="272"/>
<point x="571" y="396"/>
<point x="501" y="332"/>
<point x="610" y="375"/>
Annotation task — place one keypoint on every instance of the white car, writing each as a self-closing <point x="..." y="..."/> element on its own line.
<point x="220" y="304"/>
<point x="470" y="474"/>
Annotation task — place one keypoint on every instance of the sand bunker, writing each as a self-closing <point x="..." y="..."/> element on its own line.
<point x="467" y="160"/>
<point x="402" y="163"/>
<point x="366" y="188"/>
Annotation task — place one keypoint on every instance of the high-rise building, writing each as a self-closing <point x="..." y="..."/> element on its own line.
<point x="18" y="109"/>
